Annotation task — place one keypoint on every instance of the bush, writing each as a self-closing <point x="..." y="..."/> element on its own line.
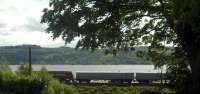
<point x="22" y="86"/>
<point x="7" y="75"/>
<point x="36" y="83"/>
<point x="4" y="65"/>
<point x="55" y="87"/>
<point x="167" y="91"/>
<point x="107" y="89"/>
<point x="23" y="70"/>
<point x="150" y="92"/>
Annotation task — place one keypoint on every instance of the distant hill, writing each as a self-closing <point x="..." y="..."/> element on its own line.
<point x="65" y="55"/>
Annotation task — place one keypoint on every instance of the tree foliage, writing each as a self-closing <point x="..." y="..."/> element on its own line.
<point x="117" y="24"/>
<point x="124" y="24"/>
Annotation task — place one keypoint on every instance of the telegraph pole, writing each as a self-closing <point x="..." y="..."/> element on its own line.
<point x="30" y="63"/>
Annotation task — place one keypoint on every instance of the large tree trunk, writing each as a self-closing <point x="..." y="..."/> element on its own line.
<point x="190" y="43"/>
<point x="195" y="68"/>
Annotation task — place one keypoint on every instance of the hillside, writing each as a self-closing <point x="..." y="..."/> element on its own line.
<point x="65" y="55"/>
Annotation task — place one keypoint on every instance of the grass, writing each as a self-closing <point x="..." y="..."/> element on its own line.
<point x="116" y="89"/>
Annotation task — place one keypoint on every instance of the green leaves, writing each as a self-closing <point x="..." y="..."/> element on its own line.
<point x="122" y="26"/>
<point x="118" y="25"/>
<point x="104" y="24"/>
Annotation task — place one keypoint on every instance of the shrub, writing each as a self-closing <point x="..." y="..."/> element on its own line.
<point x="167" y="91"/>
<point x="4" y="65"/>
<point x="36" y="83"/>
<point x="7" y="75"/>
<point x="22" y="86"/>
<point x="107" y="89"/>
<point x="23" y="70"/>
<point x="55" y="87"/>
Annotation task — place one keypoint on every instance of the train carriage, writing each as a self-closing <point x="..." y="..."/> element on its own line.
<point x="148" y="77"/>
<point x="112" y="77"/>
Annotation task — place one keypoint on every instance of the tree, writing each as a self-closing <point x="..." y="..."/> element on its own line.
<point x="124" y="24"/>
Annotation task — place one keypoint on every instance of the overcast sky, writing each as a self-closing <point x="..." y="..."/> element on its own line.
<point x="20" y="24"/>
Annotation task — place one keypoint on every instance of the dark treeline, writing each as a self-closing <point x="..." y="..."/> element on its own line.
<point x="66" y="55"/>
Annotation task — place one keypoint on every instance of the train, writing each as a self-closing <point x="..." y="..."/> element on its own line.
<point x="108" y="77"/>
<point x="87" y="74"/>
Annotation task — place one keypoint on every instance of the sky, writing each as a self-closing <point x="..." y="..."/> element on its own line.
<point x="20" y="24"/>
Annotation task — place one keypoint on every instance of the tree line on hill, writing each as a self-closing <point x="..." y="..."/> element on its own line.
<point x="66" y="55"/>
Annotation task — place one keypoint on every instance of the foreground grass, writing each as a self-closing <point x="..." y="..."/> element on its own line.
<point x="113" y="89"/>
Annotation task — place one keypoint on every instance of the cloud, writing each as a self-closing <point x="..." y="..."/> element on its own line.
<point x="20" y="24"/>
<point x="2" y="39"/>
<point x="31" y="25"/>
<point x="4" y="33"/>
<point x="2" y="25"/>
<point x="35" y="25"/>
<point x="35" y="38"/>
<point x="11" y="9"/>
<point x="3" y="29"/>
